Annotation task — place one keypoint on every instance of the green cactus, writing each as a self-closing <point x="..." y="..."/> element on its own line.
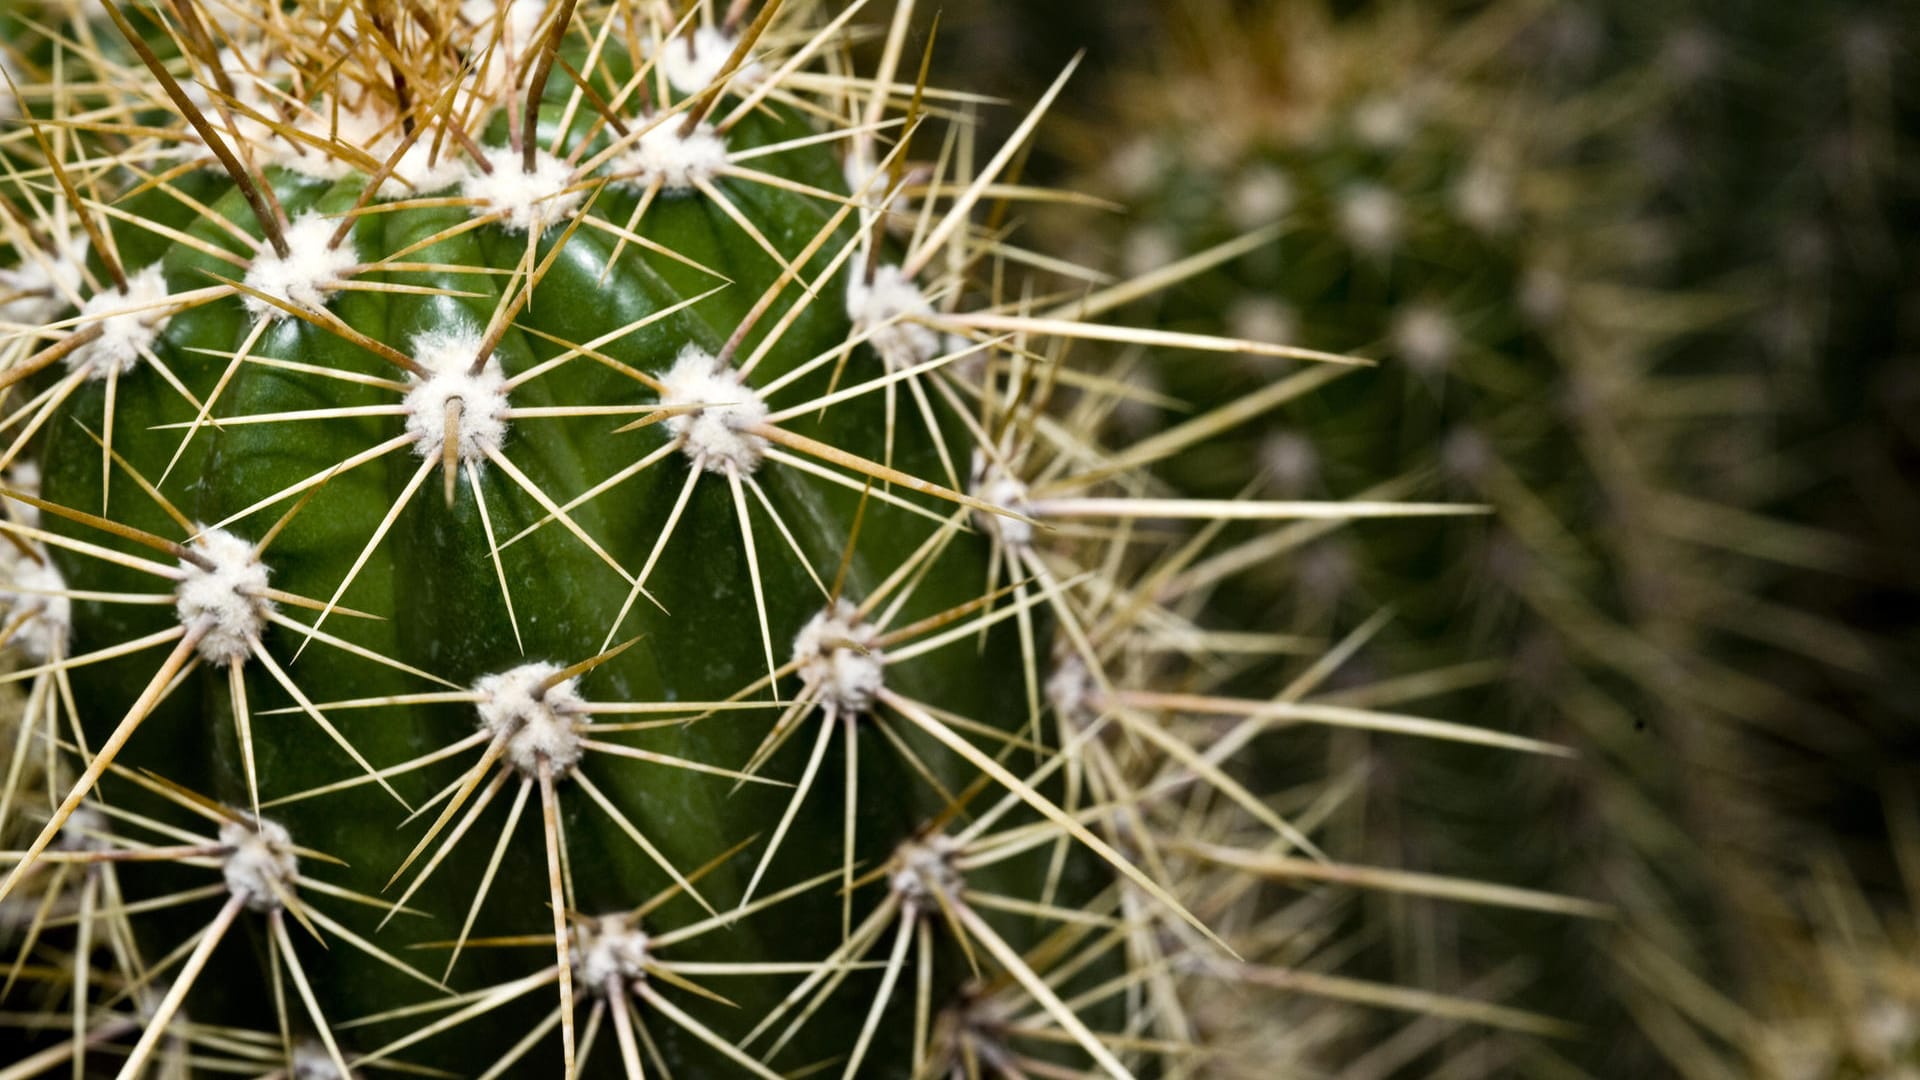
<point x="569" y="535"/>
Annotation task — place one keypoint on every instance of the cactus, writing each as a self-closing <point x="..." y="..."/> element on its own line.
<point x="1823" y="194"/>
<point x="1429" y="205"/>
<point x="573" y="537"/>
<point x="468" y="462"/>
<point x="1797" y="222"/>
<point x="1590" y="347"/>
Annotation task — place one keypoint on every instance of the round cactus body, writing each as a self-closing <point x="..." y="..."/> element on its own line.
<point x="502" y="475"/>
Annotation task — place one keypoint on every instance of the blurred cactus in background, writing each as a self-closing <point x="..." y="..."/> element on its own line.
<point x="1389" y="190"/>
<point x="1575" y="322"/>
<point x="1795" y="176"/>
<point x="1778" y="166"/>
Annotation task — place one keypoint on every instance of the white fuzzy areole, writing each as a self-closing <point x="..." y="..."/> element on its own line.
<point x="1370" y="218"/>
<point x="1072" y="692"/>
<point x="521" y="18"/>
<point x="971" y="358"/>
<point x="421" y="169"/>
<point x="1289" y="463"/>
<point x="1484" y="198"/>
<point x="311" y="1061"/>
<point x="204" y="92"/>
<point x="1543" y="294"/>
<point x="1149" y="247"/>
<point x="86" y="829"/>
<point x="24" y="477"/>
<point x="857" y="169"/>
<point x="229" y="600"/>
<point x="129" y="323"/>
<point x="361" y="125"/>
<point x="837" y="657"/>
<point x="1467" y="455"/>
<point x="1326" y="571"/>
<point x="513" y="24"/>
<point x="307" y="276"/>
<point x="262" y="867"/>
<point x="537" y="725"/>
<point x="523" y="201"/>
<point x="924" y="870"/>
<point x="449" y="354"/>
<point x="1137" y="167"/>
<point x="1260" y="196"/>
<point x="900" y="210"/>
<point x="1425" y="338"/>
<point x="675" y="162"/>
<point x="44" y="283"/>
<point x="1256" y="317"/>
<point x="691" y="64"/>
<point x="372" y="127"/>
<point x="993" y="484"/>
<point x="29" y="588"/>
<point x="890" y="307"/>
<point x="716" y="433"/>
<point x="1384" y="123"/>
<point x="609" y="947"/>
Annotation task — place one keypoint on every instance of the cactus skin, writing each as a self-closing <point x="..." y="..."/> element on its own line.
<point x="438" y="604"/>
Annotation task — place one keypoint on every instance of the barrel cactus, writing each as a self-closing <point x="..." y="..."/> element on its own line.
<point x="469" y="465"/>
